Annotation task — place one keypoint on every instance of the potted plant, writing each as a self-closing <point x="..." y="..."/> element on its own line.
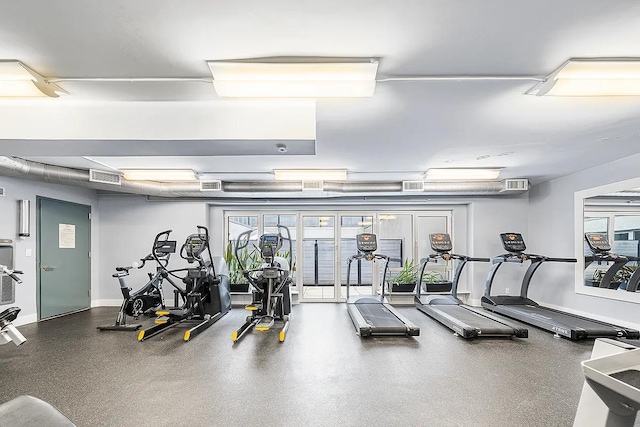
<point x="250" y="260"/>
<point x="434" y="282"/>
<point x="405" y="279"/>
<point x="619" y="280"/>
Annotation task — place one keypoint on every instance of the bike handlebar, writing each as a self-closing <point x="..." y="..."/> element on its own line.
<point x="11" y="273"/>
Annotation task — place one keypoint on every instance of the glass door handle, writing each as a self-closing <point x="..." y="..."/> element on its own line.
<point x="49" y="267"/>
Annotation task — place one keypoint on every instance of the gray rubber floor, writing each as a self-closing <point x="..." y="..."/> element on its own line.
<point x="322" y="375"/>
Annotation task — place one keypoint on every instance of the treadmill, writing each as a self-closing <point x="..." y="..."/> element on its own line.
<point x="599" y="245"/>
<point x="528" y="311"/>
<point x="465" y="321"/>
<point x="372" y="315"/>
<point x="601" y="252"/>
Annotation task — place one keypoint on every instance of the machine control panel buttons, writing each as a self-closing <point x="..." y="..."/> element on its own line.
<point x="598" y="242"/>
<point x="440" y="242"/>
<point x="513" y="242"/>
<point x="367" y="242"/>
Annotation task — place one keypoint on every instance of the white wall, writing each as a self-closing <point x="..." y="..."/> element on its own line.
<point x="551" y="232"/>
<point x="128" y="225"/>
<point x="19" y="189"/>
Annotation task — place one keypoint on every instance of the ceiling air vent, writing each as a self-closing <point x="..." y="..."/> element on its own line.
<point x="211" y="185"/>
<point x="2" y="192"/>
<point x="515" y="185"/>
<point x="412" y="186"/>
<point x="312" y="185"/>
<point x="104" y="177"/>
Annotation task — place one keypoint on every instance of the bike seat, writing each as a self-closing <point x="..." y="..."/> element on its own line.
<point x="10" y="314"/>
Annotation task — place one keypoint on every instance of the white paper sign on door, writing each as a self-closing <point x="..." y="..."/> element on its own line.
<point x="66" y="236"/>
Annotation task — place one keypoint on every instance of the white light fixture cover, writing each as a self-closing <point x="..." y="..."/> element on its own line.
<point x="592" y="77"/>
<point x="18" y="81"/>
<point x="463" y="174"/>
<point x="160" y="175"/>
<point x="304" y="78"/>
<point x="310" y="174"/>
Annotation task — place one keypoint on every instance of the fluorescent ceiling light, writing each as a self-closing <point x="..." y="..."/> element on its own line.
<point x="592" y="77"/>
<point x="306" y="79"/>
<point x="310" y="174"/>
<point x="161" y="175"/>
<point x="462" y="174"/>
<point x="365" y="223"/>
<point x="18" y="81"/>
<point x="386" y="217"/>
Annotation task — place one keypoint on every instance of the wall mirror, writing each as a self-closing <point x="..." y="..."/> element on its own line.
<point x="607" y="241"/>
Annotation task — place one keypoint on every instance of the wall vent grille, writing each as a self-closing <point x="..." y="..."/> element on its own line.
<point x="211" y="185"/>
<point x="104" y="177"/>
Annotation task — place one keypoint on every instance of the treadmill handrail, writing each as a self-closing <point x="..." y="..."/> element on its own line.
<point x="536" y="261"/>
<point x="462" y="261"/>
<point x="365" y="257"/>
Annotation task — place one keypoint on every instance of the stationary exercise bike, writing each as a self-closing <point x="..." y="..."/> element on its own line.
<point x="8" y="332"/>
<point x="271" y="294"/>
<point x="150" y="297"/>
<point x="205" y="297"/>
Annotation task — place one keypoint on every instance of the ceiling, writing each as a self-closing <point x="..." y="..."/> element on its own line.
<point x="406" y="128"/>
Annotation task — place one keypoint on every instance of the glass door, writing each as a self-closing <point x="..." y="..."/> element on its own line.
<point x="318" y="257"/>
<point x="363" y="272"/>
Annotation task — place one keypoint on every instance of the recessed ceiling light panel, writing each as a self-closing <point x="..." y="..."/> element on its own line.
<point x="19" y="81"/>
<point x="462" y="174"/>
<point x="592" y="77"/>
<point x="159" y="175"/>
<point x="302" y="79"/>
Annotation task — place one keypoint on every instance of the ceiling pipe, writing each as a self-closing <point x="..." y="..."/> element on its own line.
<point x="17" y="167"/>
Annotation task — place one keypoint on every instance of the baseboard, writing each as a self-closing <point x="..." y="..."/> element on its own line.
<point x="25" y="320"/>
<point x="474" y="302"/>
<point x="106" y="303"/>
<point x="605" y="319"/>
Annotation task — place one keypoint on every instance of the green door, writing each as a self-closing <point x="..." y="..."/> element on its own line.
<point x="64" y="244"/>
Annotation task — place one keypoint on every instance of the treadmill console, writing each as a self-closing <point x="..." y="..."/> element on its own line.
<point x="440" y="242"/>
<point x="598" y="243"/>
<point x="367" y="242"/>
<point x="513" y="242"/>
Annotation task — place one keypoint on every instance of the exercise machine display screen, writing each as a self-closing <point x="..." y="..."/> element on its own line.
<point x="165" y="247"/>
<point x="598" y="242"/>
<point x="195" y="245"/>
<point x="513" y="242"/>
<point x="367" y="242"/>
<point x="440" y="242"/>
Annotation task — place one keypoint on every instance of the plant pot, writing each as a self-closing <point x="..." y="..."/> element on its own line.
<point x="403" y="287"/>
<point x="596" y="284"/>
<point x="239" y="287"/>
<point x="439" y="286"/>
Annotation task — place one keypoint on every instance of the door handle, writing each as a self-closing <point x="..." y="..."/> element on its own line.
<point x="49" y="267"/>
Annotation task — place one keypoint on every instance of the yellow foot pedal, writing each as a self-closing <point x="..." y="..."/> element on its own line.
<point x="234" y="336"/>
<point x="251" y="307"/>
<point x="187" y="335"/>
<point x="162" y="313"/>
<point x="162" y="320"/>
<point x="282" y="335"/>
<point x="141" y="335"/>
<point x="262" y="328"/>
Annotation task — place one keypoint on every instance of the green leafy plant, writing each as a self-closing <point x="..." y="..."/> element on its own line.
<point x="432" y="277"/>
<point x="407" y="274"/>
<point x="250" y="258"/>
<point x="622" y="275"/>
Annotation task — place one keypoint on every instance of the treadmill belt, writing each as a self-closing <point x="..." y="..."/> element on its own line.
<point x="541" y="313"/>
<point x="486" y="325"/>
<point x="378" y="316"/>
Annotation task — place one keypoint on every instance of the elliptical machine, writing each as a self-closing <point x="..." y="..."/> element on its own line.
<point x="150" y="297"/>
<point x="271" y="284"/>
<point x="8" y="332"/>
<point x="205" y="297"/>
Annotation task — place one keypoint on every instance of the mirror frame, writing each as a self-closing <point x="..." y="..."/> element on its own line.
<point x="578" y="205"/>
